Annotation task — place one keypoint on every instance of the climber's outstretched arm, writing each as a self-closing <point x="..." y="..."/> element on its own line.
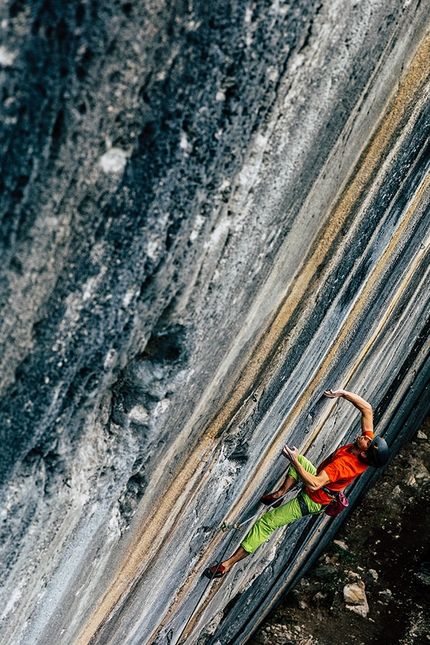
<point x="360" y="403"/>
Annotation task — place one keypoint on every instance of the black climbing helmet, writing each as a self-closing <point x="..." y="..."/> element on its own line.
<point x="378" y="452"/>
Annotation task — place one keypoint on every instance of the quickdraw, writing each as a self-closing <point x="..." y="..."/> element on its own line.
<point x="226" y="527"/>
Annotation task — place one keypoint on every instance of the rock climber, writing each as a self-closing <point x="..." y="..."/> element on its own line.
<point x="320" y="484"/>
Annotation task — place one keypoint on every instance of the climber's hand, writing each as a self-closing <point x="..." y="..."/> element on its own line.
<point x="290" y="453"/>
<point x="333" y="394"/>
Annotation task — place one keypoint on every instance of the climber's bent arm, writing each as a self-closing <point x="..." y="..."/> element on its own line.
<point x="313" y="482"/>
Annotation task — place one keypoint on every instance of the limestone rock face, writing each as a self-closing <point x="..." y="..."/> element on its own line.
<point x="211" y="212"/>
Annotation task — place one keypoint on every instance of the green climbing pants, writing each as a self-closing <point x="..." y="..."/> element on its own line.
<point x="284" y="514"/>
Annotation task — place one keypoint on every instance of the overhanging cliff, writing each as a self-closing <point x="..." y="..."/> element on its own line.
<point x="211" y="212"/>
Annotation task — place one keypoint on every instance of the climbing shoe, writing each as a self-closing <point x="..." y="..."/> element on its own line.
<point x="269" y="499"/>
<point x="217" y="571"/>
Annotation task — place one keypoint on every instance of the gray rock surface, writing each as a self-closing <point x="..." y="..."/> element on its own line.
<point x="210" y="213"/>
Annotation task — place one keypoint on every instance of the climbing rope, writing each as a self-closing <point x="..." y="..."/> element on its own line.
<point x="169" y="634"/>
<point x="237" y="526"/>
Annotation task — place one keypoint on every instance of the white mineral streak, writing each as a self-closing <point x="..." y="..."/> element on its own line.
<point x="113" y="161"/>
<point x="7" y="57"/>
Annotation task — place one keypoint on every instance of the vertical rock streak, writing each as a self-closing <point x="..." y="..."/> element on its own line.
<point x="375" y="163"/>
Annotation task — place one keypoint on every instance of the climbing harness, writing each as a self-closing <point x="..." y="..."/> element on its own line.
<point x="303" y="507"/>
<point x="338" y="502"/>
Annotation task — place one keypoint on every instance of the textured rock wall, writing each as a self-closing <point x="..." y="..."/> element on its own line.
<point x="210" y="213"/>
